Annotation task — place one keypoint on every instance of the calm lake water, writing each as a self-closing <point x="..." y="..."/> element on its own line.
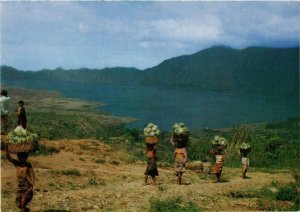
<point x="164" y="106"/>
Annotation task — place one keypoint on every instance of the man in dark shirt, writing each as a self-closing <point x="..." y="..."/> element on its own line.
<point x="22" y="121"/>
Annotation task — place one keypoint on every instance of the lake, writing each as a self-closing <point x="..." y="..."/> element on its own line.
<point x="164" y="105"/>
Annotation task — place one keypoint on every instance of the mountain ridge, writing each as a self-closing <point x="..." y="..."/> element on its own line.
<point x="218" y="68"/>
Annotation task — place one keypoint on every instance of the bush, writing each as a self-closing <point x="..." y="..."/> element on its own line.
<point x="72" y="172"/>
<point x="172" y="204"/>
<point x="287" y="193"/>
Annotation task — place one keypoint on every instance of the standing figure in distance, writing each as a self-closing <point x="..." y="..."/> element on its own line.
<point x="21" y="114"/>
<point x="245" y="149"/>
<point x="4" y="104"/>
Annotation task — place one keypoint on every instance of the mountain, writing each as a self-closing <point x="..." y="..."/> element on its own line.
<point x="256" y="70"/>
<point x="251" y="70"/>
<point x="117" y="75"/>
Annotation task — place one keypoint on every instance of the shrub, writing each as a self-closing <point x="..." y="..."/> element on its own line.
<point x="72" y="172"/>
<point x="287" y="193"/>
<point x="93" y="181"/>
<point x="115" y="162"/>
<point x="100" y="161"/>
<point x="172" y="204"/>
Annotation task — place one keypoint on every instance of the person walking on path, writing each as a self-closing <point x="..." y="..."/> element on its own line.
<point x="180" y="155"/>
<point x="25" y="179"/>
<point x="151" y="169"/>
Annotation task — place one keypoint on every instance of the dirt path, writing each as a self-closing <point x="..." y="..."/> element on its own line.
<point x="108" y="183"/>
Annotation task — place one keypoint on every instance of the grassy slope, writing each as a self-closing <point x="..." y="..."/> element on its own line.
<point x="54" y="116"/>
<point x="274" y="145"/>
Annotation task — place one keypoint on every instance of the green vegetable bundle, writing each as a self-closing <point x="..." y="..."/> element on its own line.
<point x="151" y="130"/>
<point x="245" y="147"/>
<point x="22" y="136"/>
<point x="180" y="129"/>
<point x="219" y="141"/>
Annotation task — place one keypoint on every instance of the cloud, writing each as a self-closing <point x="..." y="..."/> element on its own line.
<point x="151" y="31"/>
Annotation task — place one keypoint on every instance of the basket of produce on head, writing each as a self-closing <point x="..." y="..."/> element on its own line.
<point x="180" y="135"/>
<point x="219" y="142"/>
<point x="245" y="148"/>
<point x="22" y="141"/>
<point x="151" y="132"/>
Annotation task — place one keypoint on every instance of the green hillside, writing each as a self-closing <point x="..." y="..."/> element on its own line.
<point x="251" y="70"/>
<point x="267" y="71"/>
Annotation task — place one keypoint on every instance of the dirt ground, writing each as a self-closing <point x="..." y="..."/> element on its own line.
<point x="108" y="183"/>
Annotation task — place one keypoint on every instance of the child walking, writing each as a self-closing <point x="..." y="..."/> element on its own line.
<point x="151" y="169"/>
<point x="21" y="114"/>
<point x="26" y="179"/>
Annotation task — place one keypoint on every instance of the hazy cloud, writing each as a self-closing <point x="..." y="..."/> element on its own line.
<point x="38" y="35"/>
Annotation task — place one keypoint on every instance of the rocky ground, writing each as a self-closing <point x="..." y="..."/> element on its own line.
<point x="87" y="175"/>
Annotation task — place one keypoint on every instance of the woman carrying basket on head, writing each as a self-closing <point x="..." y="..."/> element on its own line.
<point x="25" y="177"/>
<point x="179" y="141"/>
<point x="218" y="144"/>
<point x="151" y="132"/>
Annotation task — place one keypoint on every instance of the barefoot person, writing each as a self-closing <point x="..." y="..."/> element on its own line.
<point x="4" y="104"/>
<point x="245" y="149"/>
<point x="219" y="163"/>
<point x="26" y="179"/>
<point x="179" y="140"/>
<point x="180" y="160"/>
<point x="151" y="133"/>
<point x="218" y="144"/>
<point x="151" y="169"/>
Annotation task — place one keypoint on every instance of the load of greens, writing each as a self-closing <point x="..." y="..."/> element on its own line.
<point x="219" y="141"/>
<point x="151" y="130"/>
<point x="21" y="136"/>
<point x="180" y="129"/>
<point x="245" y="147"/>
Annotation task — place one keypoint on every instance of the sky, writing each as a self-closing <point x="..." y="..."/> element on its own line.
<point x="94" y="34"/>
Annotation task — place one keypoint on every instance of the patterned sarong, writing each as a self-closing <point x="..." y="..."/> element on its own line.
<point x="218" y="166"/>
<point x="245" y="163"/>
<point x="151" y="167"/>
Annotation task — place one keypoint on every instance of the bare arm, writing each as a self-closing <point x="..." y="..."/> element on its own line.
<point x="32" y="176"/>
<point x="172" y="140"/>
<point x="185" y="155"/>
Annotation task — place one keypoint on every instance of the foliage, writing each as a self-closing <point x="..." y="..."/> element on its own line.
<point x="287" y="193"/>
<point x="172" y="204"/>
<point x="44" y="150"/>
<point x="71" y="172"/>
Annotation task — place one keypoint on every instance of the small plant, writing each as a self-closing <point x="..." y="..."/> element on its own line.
<point x="161" y="188"/>
<point x="82" y="159"/>
<point x="84" y="147"/>
<point x="100" y="161"/>
<point x="71" y="172"/>
<point x="172" y="204"/>
<point x="93" y="181"/>
<point x="115" y="162"/>
<point x="45" y="150"/>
